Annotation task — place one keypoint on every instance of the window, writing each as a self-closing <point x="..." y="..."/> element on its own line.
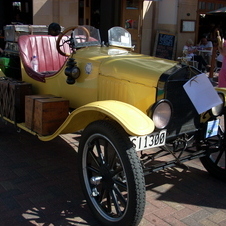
<point x="187" y="25"/>
<point x="132" y="4"/>
<point x="17" y="5"/>
<point x="207" y="5"/>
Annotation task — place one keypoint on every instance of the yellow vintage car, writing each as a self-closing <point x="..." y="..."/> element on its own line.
<point x="133" y="112"/>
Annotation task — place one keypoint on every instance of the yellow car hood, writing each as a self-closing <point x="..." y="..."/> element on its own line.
<point x="142" y="69"/>
<point x="130" y="66"/>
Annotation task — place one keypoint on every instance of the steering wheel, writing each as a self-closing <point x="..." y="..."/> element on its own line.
<point x="86" y="38"/>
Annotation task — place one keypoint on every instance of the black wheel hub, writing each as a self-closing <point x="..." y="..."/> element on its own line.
<point x="107" y="176"/>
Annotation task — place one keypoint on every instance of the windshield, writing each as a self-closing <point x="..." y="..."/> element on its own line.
<point x="86" y="36"/>
<point x="90" y="36"/>
<point x="118" y="36"/>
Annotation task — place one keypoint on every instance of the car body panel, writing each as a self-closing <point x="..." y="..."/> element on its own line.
<point x="131" y="78"/>
<point x="130" y="118"/>
<point x="222" y="90"/>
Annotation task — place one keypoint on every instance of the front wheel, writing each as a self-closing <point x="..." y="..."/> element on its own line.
<point x="111" y="174"/>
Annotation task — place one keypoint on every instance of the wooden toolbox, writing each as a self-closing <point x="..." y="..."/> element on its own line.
<point x="45" y="113"/>
<point x="12" y="99"/>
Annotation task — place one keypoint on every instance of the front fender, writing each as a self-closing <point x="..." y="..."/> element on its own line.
<point x="134" y="121"/>
<point x="222" y="90"/>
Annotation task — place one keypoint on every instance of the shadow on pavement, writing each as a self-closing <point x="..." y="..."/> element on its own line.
<point x="191" y="186"/>
<point x="39" y="182"/>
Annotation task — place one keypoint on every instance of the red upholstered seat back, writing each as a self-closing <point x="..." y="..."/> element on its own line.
<point x="44" y="47"/>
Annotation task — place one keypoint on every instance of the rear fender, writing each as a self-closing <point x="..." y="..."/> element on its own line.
<point x="134" y="121"/>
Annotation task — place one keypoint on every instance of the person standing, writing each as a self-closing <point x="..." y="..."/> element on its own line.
<point x="222" y="73"/>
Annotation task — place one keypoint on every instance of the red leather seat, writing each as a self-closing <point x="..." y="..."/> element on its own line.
<point x="44" y="47"/>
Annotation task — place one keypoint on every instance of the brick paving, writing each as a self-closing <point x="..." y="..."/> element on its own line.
<point x="39" y="185"/>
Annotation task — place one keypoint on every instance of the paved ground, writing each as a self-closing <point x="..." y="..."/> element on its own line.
<point x="39" y="186"/>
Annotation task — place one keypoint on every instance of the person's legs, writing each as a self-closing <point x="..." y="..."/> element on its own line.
<point x="200" y="61"/>
<point x="219" y="64"/>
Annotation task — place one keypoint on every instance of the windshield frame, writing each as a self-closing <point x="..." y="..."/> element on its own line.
<point x="120" y="37"/>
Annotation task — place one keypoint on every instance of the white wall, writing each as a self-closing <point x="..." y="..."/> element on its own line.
<point x="168" y="12"/>
<point x="147" y="27"/>
<point x="64" y="12"/>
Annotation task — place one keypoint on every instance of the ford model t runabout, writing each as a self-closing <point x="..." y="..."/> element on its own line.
<point x="135" y="113"/>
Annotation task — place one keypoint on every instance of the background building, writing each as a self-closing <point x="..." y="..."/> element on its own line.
<point x="179" y="20"/>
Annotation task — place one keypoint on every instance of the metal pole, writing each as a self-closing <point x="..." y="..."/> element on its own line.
<point x="213" y="61"/>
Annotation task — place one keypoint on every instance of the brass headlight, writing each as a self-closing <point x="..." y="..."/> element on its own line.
<point x="161" y="113"/>
<point x="217" y="110"/>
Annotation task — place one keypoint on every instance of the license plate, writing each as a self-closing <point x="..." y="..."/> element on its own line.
<point x="212" y="128"/>
<point x="149" y="141"/>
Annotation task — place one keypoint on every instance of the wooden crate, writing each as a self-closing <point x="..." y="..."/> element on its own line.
<point x="4" y="106"/>
<point x="47" y="114"/>
<point x="12" y="99"/>
<point x="29" y="108"/>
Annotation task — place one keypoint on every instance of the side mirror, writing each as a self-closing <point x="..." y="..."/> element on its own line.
<point x="54" y="29"/>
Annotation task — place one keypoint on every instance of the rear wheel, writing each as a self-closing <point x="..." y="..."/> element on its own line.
<point x="215" y="160"/>
<point x="111" y="174"/>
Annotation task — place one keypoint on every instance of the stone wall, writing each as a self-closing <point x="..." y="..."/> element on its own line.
<point x="64" y="12"/>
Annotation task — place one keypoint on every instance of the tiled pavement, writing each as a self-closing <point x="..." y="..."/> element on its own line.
<point x="39" y="186"/>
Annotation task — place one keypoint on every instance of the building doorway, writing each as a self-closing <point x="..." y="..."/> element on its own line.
<point x="102" y="14"/>
<point x="207" y="23"/>
<point x="13" y="11"/>
<point x="132" y="21"/>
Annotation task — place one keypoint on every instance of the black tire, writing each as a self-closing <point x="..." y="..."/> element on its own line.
<point x="111" y="175"/>
<point x="215" y="160"/>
